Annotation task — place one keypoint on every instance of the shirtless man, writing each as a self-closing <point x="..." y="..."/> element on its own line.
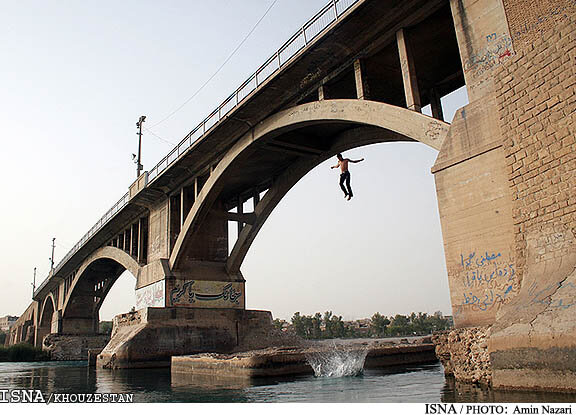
<point x="345" y="174"/>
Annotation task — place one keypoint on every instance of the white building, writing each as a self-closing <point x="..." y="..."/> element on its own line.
<point x="6" y="322"/>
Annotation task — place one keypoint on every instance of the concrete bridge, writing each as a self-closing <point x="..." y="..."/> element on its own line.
<point x="358" y="73"/>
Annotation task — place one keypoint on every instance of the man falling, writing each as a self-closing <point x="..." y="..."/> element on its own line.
<point x="345" y="174"/>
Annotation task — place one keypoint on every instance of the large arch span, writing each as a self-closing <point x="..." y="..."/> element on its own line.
<point x="284" y="148"/>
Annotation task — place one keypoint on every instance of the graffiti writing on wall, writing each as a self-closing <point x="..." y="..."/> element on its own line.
<point x="189" y="293"/>
<point x="488" y="279"/>
<point x="564" y="295"/>
<point x="498" y="47"/>
<point x="434" y="130"/>
<point x="150" y="296"/>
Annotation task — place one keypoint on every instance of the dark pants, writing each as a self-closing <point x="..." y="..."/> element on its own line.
<point x="345" y="177"/>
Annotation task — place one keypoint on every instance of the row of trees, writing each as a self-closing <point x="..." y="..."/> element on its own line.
<point x="414" y="324"/>
<point x="329" y="326"/>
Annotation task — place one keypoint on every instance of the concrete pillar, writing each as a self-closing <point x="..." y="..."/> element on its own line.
<point x="174" y="219"/>
<point x="127" y="241"/>
<point x="240" y="211"/>
<point x="188" y="200"/>
<point x="135" y="233"/>
<point x="484" y="42"/>
<point x="321" y="93"/>
<point x="143" y="241"/>
<point x="256" y="198"/>
<point x="412" y="92"/>
<point x="436" y="105"/>
<point x="362" y="91"/>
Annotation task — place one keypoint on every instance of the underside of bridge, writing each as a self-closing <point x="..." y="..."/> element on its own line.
<point x="504" y="180"/>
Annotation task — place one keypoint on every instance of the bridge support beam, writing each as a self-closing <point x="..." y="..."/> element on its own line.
<point x="362" y="89"/>
<point x="412" y="92"/>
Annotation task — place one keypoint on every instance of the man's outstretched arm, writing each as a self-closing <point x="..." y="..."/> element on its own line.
<point x="355" y="161"/>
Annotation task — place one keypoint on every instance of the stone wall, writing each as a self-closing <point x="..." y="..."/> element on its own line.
<point x="532" y="342"/>
<point x="66" y="347"/>
<point x="535" y="334"/>
<point x="536" y="93"/>
<point x="464" y="354"/>
<point x="529" y="19"/>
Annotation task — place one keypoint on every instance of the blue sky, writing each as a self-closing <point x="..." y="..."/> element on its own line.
<point x="75" y="77"/>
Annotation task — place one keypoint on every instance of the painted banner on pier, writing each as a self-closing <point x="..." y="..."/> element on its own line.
<point x="206" y="294"/>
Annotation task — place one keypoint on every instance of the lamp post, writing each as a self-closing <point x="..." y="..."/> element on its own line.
<point x="52" y="257"/>
<point x="138" y="160"/>
<point x="34" y="283"/>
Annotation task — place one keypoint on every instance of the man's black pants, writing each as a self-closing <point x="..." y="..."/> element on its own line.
<point x="345" y="177"/>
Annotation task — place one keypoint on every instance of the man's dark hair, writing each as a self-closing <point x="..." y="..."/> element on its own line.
<point x="339" y="156"/>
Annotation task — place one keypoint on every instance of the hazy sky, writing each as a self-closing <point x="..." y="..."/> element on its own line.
<point x="75" y="77"/>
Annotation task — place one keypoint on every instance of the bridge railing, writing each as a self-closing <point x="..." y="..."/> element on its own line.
<point x="314" y="27"/>
<point x="308" y="32"/>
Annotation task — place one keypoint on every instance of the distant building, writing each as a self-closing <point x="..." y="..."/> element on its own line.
<point x="7" y="322"/>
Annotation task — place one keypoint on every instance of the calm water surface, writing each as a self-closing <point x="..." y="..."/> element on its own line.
<point x="422" y="383"/>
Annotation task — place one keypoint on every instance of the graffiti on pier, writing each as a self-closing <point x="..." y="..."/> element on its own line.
<point x="498" y="47"/>
<point x="150" y="296"/>
<point x="211" y="293"/>
<point x="558" y="295"/>
<point x="488" y="280"/>
<point x="435" y="130"/>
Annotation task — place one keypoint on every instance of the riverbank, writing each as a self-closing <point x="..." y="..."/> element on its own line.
<point x="22" y="352"/>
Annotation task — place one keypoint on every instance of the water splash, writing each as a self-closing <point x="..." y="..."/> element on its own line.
<point x="338" y="361"/>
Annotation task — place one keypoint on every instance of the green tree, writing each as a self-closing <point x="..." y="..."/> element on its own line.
<point x="400" y="325"/>
<point x="379" y="325"/>
<point x="317" y="326"/>
<point x="298" y="324"/>
<point x="105" y="327"/>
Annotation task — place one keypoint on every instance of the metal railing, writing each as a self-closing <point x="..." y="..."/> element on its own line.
<point x="314" y="27"/>
<point x="308" y="32"/>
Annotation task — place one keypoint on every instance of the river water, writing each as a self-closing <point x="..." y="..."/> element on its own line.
<point x="419" y="383"/>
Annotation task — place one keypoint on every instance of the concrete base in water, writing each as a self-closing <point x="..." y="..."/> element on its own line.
<point x="73" y="347"/>
<point x="150" y="337"/>
<point x="284" y="361"/>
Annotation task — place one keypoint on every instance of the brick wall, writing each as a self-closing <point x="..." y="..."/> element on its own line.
<point x="536" y="96"/>
<point x="529" y="19"/>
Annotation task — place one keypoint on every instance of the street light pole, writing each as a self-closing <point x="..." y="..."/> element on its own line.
<point x="139" y="166"/>
<point x="34" y="283"/>
<point x="52" y="257"/>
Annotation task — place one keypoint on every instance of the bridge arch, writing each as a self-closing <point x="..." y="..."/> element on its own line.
<point x="93" y="281"/>
<point x="45" y="318"/>
<point x="348" y="123"/>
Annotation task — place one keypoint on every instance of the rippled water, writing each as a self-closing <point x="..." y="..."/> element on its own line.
<point x="423" y="383"/>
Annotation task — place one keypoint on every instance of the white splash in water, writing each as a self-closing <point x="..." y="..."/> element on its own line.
<point x="338" y="361"/>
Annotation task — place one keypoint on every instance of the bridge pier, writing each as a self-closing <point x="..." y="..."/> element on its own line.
<point x="151" y="336"/>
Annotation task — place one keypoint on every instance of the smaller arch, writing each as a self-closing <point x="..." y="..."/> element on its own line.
<point x="80" y="308"/>
<point x="45" y="318"/>
<point x="49" y="302"/>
